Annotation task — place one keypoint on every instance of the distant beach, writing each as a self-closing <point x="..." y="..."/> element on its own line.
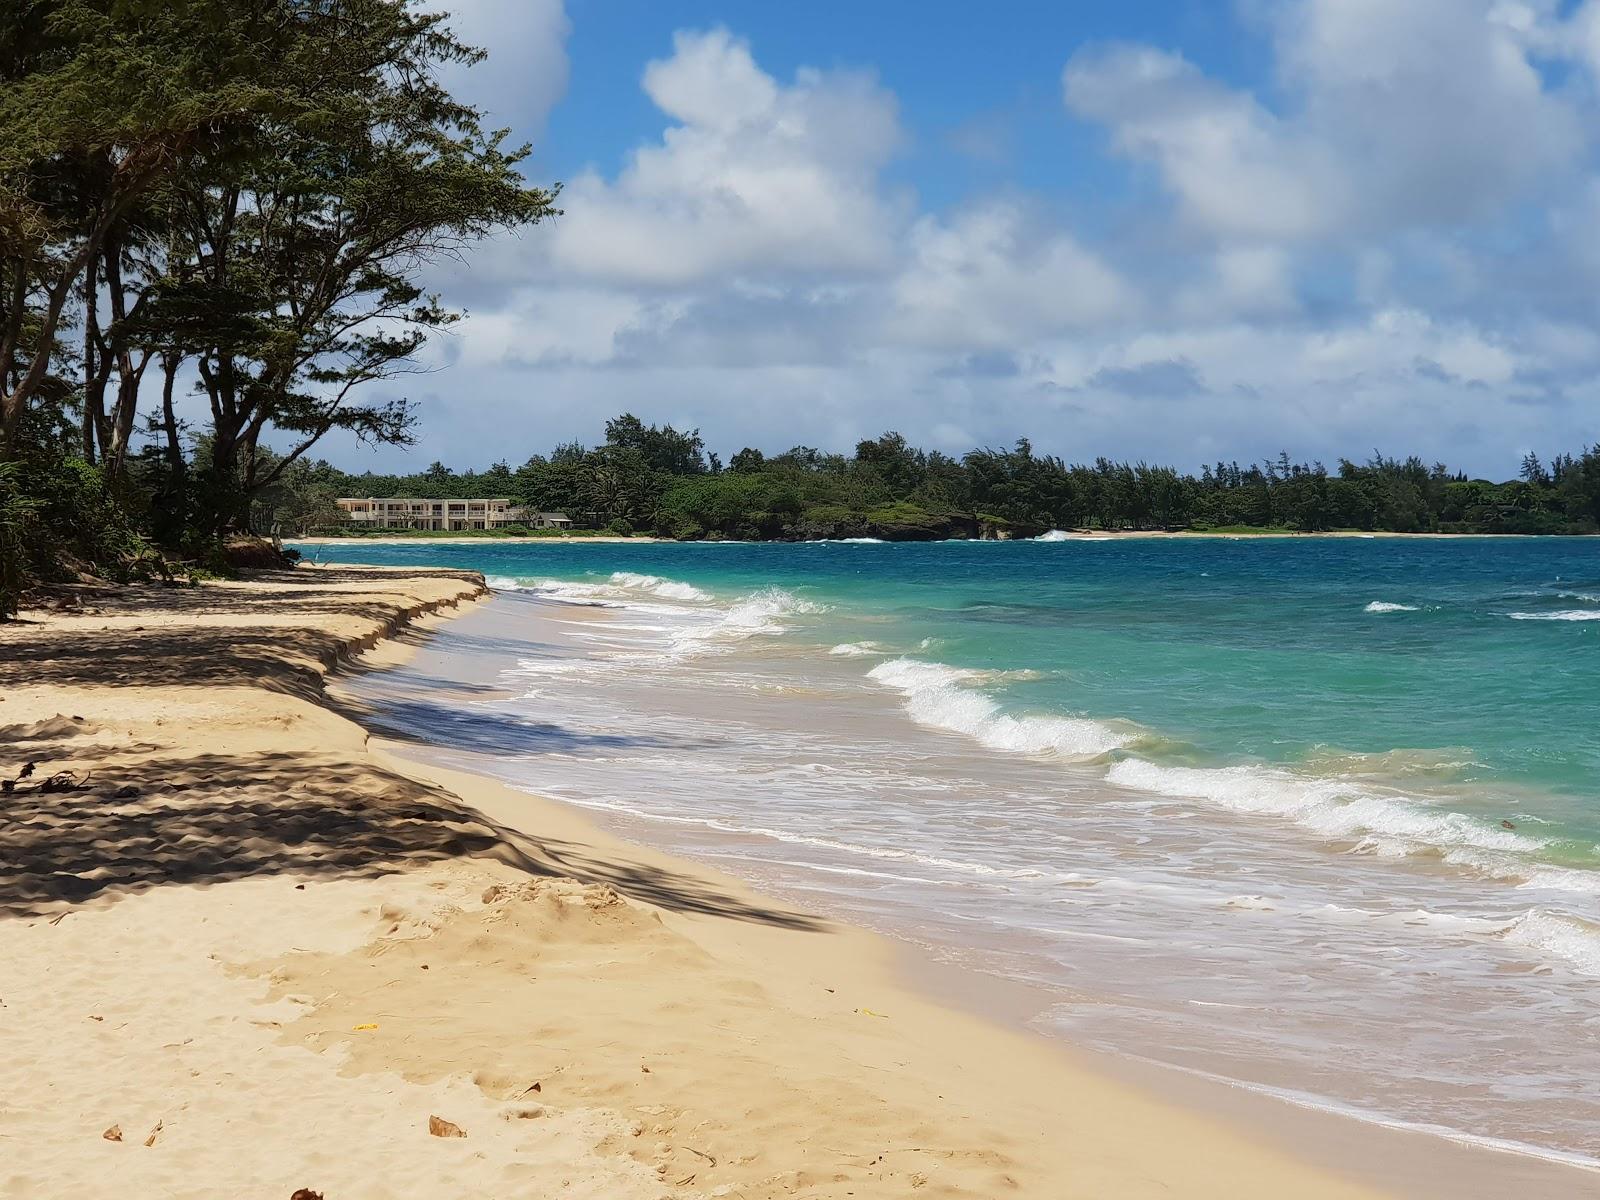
<point x="402" y="540"/>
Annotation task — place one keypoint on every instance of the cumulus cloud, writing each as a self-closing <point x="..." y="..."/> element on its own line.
<point x="992" y="278"/>
<point x="1394" y="116"/>
<point x="753" y="176"/>
<point x="1325" y="268"/>
<point x="525" y="73"/>
<point x="1235" y="168"/>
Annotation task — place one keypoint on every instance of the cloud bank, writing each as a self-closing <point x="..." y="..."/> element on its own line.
<point x="1391" y="241"/>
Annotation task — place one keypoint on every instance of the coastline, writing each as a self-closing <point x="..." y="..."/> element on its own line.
<point x="1389" y="1156"/>
<point x="1065" y="536"/>
<point x="452" y="947"/>
<point x="462" y="541"/>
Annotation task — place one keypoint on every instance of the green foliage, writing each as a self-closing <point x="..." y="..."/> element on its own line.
<point x="17" y="511"/>
<point x="249" y="189"/>
<point x="58" y="518"/>
<point x="888" y="489"/>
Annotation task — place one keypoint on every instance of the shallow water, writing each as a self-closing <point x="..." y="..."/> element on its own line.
<point x="1316" y="815"/>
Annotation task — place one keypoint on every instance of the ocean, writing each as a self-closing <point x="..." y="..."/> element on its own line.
<point x="1315" y="816"/>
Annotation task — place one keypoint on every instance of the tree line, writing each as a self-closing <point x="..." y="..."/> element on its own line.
<point x="233" y="198"/>
<point x="661" y="480"/>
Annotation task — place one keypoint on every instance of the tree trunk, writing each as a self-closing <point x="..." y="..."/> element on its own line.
<point x="14" y="403"/>
<point x="118" y="428"/>
<point x="91" y="332"/>
<point x="130" y="373"/>
<point x="169" y="417"/>
<point x="228" y="423"/>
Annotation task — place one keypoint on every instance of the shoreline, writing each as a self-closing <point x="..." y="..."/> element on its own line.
<point x="1416" y="1161"/>
<point x="1366" y="1152"/>
<point x="443" y="947"/>
<point x="1068" y="536"/>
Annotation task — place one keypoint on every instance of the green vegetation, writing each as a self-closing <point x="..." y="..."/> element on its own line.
<point x="661" y="480"/>
<point x="237" y="195"/>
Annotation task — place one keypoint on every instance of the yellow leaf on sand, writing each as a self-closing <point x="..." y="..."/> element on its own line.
<point x="439" y="1127"/>
<point x="368" y="1025"/>
<point x="867" y="1012"/>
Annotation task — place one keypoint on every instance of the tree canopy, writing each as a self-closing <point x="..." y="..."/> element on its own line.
<point x="245" y="196"/>
<point x="660" y="479"/>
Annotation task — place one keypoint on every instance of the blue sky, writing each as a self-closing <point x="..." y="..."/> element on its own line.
<point x="962" y="76"/>
<point x="1173" y="230"/>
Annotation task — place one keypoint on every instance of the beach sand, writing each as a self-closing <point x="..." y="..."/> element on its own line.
<point x="402" y="540"/>
<point x="252" y="953"/>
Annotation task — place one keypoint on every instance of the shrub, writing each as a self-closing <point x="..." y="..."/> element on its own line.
<point x="58" y="519"/>
<point x="16" y="511"/>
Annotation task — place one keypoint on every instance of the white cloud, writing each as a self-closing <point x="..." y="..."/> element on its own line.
<point x="1395" y="116"/>
<point x="1234" y="167"/>
<point x="754" y="177"/>
<point x="525" y="73"/>
<point x="992" y="278"/>
<point x="1241" y="280"/>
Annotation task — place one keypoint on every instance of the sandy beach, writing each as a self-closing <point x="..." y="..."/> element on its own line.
<point x="252" y="951"/>
<point x="401" y="540"/>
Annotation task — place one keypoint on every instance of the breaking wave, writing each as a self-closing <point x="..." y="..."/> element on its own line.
<point x="860" y="650"/>
<point x="1570" y="614"/>
<point x="1341" y="809"/>
<point x="1570" y="938"/>
<point x="762" y="613"/>
<point x="667" y="589"/>
<point x="621" y="586"/>
<point x="945" y="697"/>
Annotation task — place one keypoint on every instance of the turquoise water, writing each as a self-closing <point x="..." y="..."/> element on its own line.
<point x="1221" y="651"/>
<point x="1314" y="816"/>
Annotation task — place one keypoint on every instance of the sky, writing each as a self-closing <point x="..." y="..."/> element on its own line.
<point x="1170" y="230"/>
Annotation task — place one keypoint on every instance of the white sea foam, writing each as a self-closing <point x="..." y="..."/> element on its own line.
<point x="1327" y="1104"/>
<point x="1416" y="918"/>
<point x="943" y="697"/>
<point x="667" y="589"/>
<point x="860" y="650"/>
<point x="1386" y="606"/>
<point x="790" y="838"/>
<point x="1055" y="535"/>
<point x="1568" y="937"/>
<point x="626" y="587"/>
<point x="592" y="595"/>
<point x="1335" y="808"/>
<point x="1570" y="614"/>
<point x="764" y="613"/>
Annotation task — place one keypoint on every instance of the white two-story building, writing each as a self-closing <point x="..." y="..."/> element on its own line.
<point x="396" y="512"/>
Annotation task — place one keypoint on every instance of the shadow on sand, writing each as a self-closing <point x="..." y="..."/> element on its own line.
<point x="150" y="816"/>
<point x="214" y="818"/>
